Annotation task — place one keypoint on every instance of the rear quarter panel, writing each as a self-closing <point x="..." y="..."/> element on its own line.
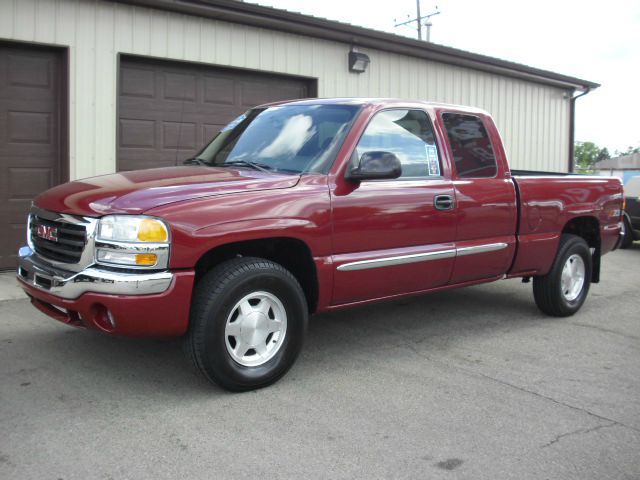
<point x="549" y="203"/>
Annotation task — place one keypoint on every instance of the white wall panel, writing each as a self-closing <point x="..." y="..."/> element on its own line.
<point x="533" y="118"/>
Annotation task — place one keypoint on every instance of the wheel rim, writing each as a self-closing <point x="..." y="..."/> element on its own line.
<point x="255" y="329"/>
<point x="572" y="280"/>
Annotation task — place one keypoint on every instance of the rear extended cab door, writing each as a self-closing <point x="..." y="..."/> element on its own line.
<point x="486" y="202"/>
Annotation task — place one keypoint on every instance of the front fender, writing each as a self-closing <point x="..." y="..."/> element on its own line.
<point x="197" y="243"/>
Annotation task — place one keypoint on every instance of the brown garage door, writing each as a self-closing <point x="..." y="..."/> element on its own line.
<point x="168" y="111"/>
<point x="30" y="146"/>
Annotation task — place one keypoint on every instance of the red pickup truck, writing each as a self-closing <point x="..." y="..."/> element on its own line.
<point x="309" y="206"/>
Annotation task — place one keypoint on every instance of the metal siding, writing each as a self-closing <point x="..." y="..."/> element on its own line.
<point x="25" y="18"/>
<point x="86" y="113"/>
<point x="533" y="118"/>
<point x="105" y="91"/>
<point x="45" y="29"/>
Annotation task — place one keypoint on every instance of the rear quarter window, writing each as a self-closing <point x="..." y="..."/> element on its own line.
<point x="473" y="154"/>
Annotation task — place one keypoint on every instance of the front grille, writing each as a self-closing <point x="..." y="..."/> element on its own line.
<point x="70" y="243"/>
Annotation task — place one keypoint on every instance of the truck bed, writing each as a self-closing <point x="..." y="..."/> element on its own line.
<point x="549" y="208"/>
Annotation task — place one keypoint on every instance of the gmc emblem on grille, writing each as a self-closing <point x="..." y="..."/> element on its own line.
<point x="48" y="233"/>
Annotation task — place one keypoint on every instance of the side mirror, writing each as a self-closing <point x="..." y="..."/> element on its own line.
<point x="376" y="166"/>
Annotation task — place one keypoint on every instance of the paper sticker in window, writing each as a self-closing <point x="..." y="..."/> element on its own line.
<point x="432" y="156"/>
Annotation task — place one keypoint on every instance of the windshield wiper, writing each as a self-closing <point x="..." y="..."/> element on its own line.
<point x="256" y="166"/>
<point x="195" y="161"/>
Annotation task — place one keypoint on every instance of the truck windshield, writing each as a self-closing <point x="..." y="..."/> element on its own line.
<point x="289" y="138"/>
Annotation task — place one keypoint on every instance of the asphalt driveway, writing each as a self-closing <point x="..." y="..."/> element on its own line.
<point x="473" y="383"/>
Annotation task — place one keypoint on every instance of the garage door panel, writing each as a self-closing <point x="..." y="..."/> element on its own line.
<point x="179" y="135"/>
<point x="253" y="92"/>
<point x="135" y="133"/>
<point x="178" y="86"/>
<point x="219" y="90"/>
<point x="30" y="156"/>
<point x="26" y="183"/>
<point x="137" y="82"/>
<point x="30" y="78"/>
<point x="29" y="70"/>
<point x="168" y="111"/>
<point x="30" y="127"/>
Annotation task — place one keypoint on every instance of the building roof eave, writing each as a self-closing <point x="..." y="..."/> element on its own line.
<point x="282" y="20"/>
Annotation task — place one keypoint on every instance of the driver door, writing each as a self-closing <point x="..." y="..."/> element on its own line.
<point x="395" y="236"/>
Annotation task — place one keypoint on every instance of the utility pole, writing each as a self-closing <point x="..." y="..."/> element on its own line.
<point x="419" y="19"/>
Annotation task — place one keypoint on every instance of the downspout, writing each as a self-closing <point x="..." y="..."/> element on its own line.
<point x="572" y="125"/>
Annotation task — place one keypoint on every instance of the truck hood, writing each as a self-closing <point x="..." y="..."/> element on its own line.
<point x="140" y="190"/>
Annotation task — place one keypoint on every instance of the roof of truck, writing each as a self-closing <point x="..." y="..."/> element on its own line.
<point x="362" y="101"/>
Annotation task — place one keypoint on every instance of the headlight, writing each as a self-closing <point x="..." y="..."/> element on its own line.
<point x="125" y="228"/>
<point x="132" y="241"/>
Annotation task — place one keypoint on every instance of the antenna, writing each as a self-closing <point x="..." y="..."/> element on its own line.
<point x="419" y="21"/>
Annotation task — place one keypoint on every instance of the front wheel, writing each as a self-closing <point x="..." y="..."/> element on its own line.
<point x="248" y="322"/>
<point x="564" y="289"/>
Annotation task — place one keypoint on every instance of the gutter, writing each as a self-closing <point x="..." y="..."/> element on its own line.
<point x="234" y="11"/>
<point x="572" y="126"/>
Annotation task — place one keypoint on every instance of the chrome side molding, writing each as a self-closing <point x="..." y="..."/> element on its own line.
<point x="421" y="257"/>
<point x="489" y="247"/>
<point x="399" y="260"/>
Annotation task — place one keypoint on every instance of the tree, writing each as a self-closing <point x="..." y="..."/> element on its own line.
<point x="586" y="154"/>
<point x="603" y="155"/>
<point x="630" y="151"/>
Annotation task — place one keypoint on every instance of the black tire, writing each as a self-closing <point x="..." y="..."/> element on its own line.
<point x="627" y="238"/>
<point x="215" y="300"/>
<point x="548" y="290"/>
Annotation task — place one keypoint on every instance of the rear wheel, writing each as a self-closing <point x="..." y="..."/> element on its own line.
<point x="627" y="238"/>
<point x="248" y="322"/>
<point x="564" y="289"/>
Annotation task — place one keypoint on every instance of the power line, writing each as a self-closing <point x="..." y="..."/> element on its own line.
<point x="419" y="21"/>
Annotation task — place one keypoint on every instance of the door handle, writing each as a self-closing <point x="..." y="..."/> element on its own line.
<point x="443" y="202"/>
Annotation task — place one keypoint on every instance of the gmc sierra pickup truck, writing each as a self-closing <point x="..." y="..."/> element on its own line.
<point x="309" y="206"/>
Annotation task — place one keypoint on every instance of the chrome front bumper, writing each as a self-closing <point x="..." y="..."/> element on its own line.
<point x="70" y="285"/>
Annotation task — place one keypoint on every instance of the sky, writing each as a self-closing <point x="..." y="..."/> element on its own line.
<point x="595" y="41"/>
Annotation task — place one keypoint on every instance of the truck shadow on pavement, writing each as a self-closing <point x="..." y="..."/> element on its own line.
<point x="428" y="324"/>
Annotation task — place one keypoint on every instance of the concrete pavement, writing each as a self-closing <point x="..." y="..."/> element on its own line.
<point x="467" y="384"/>
<point x="9" y="289"/>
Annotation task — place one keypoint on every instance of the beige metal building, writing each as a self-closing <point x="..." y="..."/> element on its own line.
<point x="89" y="87"/>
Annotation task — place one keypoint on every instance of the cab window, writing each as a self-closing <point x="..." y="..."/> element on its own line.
<point x="409" y="136"/>
<point x="473" y="155"/>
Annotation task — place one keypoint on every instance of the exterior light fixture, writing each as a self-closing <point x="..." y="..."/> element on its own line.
<point x="358" y="62"/>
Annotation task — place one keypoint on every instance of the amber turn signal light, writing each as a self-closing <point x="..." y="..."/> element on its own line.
<point x="147" y="259"/>
<point x="151" y="230"/>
